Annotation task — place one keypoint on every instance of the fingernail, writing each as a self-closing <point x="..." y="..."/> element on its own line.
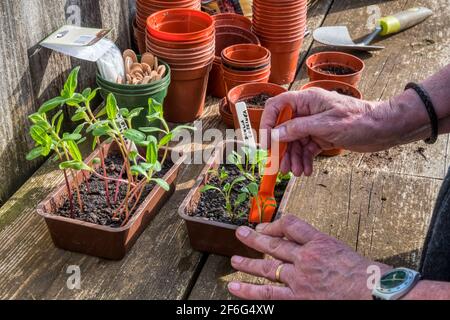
<point x="234" y="286"/>
<point x="244" y="232"/>
<point x="279" y="133"/>
<point x="261" y="227"/>
<point x="237" y="260"/>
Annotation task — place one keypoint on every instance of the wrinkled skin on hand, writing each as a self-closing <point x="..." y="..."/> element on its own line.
<point x="315" y="266"/>
<point x="323" y="120"/>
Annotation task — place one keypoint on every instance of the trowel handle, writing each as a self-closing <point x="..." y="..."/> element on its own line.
<point x="404" y="20"/>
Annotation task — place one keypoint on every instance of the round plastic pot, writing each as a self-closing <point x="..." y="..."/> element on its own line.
<point x="230" y="35"/>
<point x="245" y="75"/>
<point x="183" y="44"/>
<point x="225" y="113"/>
<point x="186" y="97"/>
<point x="285" y="57"/>
<point x="134" y="101"/>
<point x="180" y="25"/>
<point x="287" y="9"/>
<point x="247" y="91"/>
<point x="216" y="84"/>
<point x="279" y="16"/>
<point x="262" y="27"/>
<point x="246" y="56"/>
<point x="138" y="87"/>
<point x="125" y="91"/>
<point x="279" y="3"/>
<point x="340" y="87"/>
<point x="182" y="57"/>
<point x="232" y="19"/>
<point x="323" y="59"/>
<point x="158" y="47"/>
<point x="195" y="64"/>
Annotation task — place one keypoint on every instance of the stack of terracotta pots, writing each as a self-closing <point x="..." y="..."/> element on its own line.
<point x="245" y="63"/>
<point x="280" y="26"/>
<point x="145" y="8"/>
<point x="231" y="29"/>
<point x="185" y="39"/>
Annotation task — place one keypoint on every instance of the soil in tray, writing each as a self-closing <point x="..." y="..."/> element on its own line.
<point x="335" y="69"/>
<point x="94" y="199"/>
<point x="258" y="102"/>
<point x="212" y="204"/>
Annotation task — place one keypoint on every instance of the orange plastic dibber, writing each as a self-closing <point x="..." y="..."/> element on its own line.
<point x="265" y="201"/>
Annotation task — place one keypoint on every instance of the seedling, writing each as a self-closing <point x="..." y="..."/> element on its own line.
<point x="111" y="124"/>
<point x="252" y="163"/>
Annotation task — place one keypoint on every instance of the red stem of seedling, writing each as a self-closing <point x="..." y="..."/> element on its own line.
<point x="116" y="194"/>
<point x="72" y="210"/>
<point x="102" y="158"/>
<point x="86" y="182"/>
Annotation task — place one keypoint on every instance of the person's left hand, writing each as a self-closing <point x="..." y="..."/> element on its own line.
<point x="315" y="266"/>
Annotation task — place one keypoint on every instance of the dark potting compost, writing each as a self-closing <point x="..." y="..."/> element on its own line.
<point x="335" y="69"/>
<point x="258" y="101"/>
<point x="212" y="205"/>
<point x="92" y="192"/>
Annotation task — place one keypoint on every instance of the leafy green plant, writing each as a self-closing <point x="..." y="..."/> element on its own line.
<point x="110" y="124"/>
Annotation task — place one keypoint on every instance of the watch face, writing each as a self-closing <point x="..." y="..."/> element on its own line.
<point x="393" y="280"/>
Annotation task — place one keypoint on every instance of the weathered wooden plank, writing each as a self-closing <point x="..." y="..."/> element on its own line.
<point x="31" y="75"/>
<point x="379" y="204"/>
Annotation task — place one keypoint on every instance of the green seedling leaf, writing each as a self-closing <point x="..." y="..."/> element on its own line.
<point x="101" y="113"/>
<point x="111" y="107"/>
<point x="74" y="151"/>
<point x="253" y="189"/>
<point x="155" y="107"/>
<point x="55" y="117"/>
<point x="52" y="104"/>
<point x="133" y="156"/>
<point x="79" y="128"/>
<point x="39" y="135"/>
<point x="239" y="180"/>
<point x="86" y="93"/>
<point x="75" y="100"/>
<point x="71" y="84"/>
<point x="162" y="183"/>
<point x="151" y="130"/>
<point x="135" y="136"/>
<point x="166" y="139"/>
<point x="208" y="188"/>
<point x="134" y="113"/>
<point x="92" y="95"/>
<point x="101" y="131"/>
<point x="152" y="150"/>
<point x="75" y="165"/>
<point x="96" y="161"/>
<point x="138" y="170"/>
<point x="59" y="124"/>
<point x="227" y="187"/>
<point x="241" y="198"/>
<point x="35" y="153"/>
<point x="71" y="137"/>
<point x="35" y="118"/>
<point x="179" y="128"/>
<point x="124" y="112"/>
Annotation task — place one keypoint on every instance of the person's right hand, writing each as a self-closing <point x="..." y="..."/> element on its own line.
<point x="324" y="120"/>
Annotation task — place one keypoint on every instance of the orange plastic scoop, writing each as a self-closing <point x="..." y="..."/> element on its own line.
<point x="264" y="205"/>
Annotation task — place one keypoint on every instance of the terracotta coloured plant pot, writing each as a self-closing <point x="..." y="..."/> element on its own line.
<point x="183" y="57"/>
<point x="236" y="78"/>
<point x="246" y="56"/>
<point x="96" y="240"/>
<point x="216" y="237"/>
<point x="180" y="25"/>
<point x="341" y="87"/>
<point x="225" y="113"/>
<point x="324" y="59"/>
<point x="183" y="44"/>
<point x="225" y="37"/>
<point x="279" y="3"/>
<point x="216" y="83"/>
<point x="248" y="91"/>
<point x="285" y="57"/>
<point x="232" y="19"/>
<point x="187" y="92"/>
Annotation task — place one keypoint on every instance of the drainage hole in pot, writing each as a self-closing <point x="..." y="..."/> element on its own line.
<point x="212" y="204"/>
<point x="93" y="194"/>
<point x="335" y="69"/>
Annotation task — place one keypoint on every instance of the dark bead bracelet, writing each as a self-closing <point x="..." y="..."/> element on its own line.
<point x="425" y="97"/>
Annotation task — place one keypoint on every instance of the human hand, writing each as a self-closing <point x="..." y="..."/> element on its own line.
<point x="315" y="266"/>
<point x="325" y="120"/>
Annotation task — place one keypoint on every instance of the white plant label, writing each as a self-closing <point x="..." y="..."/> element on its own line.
<point x="245" y="125"/>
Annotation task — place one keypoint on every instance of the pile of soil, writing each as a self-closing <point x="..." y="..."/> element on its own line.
<point x="335" y="69"/>
<point x="212" y="204"/>
<point x="258" y="102"/>
<point x="94" y="197"/>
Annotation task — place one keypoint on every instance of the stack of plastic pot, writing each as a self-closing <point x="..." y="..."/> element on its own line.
<point x="131" y="96"/>
<point x="185" y="39"/>
<point x="145" y="8"/>
<point x="245" y="63"/>
<point x="231" y="29"/>
<point x="280" y="26"/>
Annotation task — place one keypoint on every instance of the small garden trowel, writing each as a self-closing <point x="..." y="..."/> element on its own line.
<point x="264" y="205"/>
<point x="339" y="36"/>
